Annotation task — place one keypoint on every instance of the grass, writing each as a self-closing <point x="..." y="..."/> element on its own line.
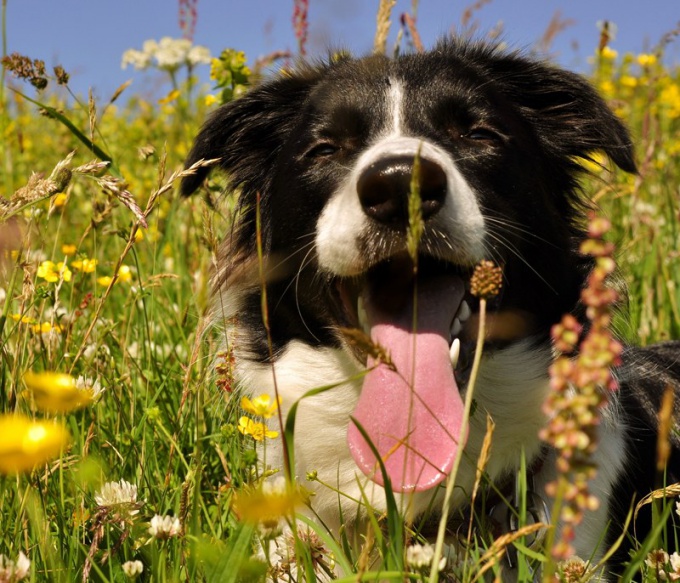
<point x="160" y="423"/>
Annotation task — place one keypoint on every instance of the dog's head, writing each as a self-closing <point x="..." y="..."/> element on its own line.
<point x="329" y="151"/>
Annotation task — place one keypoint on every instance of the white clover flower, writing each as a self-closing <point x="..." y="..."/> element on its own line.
<point x="119" y="497"/>
<point x="133" y="568"/>
<point x="11" y="571"/>
<point x="164" y="527"/>
<point x="140" y="60"/>
<point x="657" y="561"/>
<point x="420" y="557"/>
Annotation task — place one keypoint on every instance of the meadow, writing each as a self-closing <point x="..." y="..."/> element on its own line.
<point x="125" y="449"/>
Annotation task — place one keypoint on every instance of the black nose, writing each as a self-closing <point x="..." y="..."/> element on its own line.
<point x="385" y="185"/>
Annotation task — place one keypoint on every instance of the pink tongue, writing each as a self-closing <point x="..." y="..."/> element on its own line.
<point x="412" y="416"/>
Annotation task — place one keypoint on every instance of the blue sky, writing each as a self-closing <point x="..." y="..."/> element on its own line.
<point x="88" y="37"/>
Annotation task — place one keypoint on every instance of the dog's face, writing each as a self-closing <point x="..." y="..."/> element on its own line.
<point x="329" y="153"/>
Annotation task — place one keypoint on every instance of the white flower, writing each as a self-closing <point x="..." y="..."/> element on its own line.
<point x="133" y="568"/>
<point x="138" y="59"/>
<point x="172" y="53"/>
<point x="198" y="54"/>
<point x="420" y="557"/>
<point x="675" y="562"/>
<point x="11" y="571"/>
<point x="3" y="295"/>
<point x="657" y="561"/>
<point x="164" y="527"/>
<point x="120" y="497"/>
<point x="86" y="383"/>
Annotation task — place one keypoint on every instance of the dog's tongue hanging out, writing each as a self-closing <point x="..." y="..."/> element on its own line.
<point x="412" y="416"/>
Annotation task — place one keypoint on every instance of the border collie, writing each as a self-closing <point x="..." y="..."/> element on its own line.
<point x="328" y="150"/>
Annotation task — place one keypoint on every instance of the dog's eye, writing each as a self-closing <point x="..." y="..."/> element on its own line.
<point x="322" y="150"/>
<point x="482" y="135"/>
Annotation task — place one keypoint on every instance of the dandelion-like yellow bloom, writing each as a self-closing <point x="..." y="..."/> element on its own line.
<point x="68" y="249"/>
<point x="646" y="59"/>
<point x="273" y="500"/>
<point x="56" y="392"/>
<point x="258" y="431"/>
<point x="46" y="327"/>
<point x="609" y="53"/>
<point x="26" y="444"/>
<point x="85" y="265"/>
<point x="60" y="200"/>
<point x="124" y="273"/>
<point x="261" y="406"/>
<point x="51" y="272"/>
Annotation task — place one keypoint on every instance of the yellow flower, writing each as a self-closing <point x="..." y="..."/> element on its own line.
<point x="23" y="319"/>
<point x="646" y="59"/>
<point x="261" y="406"/>
<point x="609" y="53"/>
<point x="85" y="265"/>
<point x="258" y="431"/>
<point x="60" y="200"/>
<point x="629" y="81"/>
<point x="210" y="100"/>
<point x="272" y="501"/>
<point x="124" y="273"/>
<point x="104" y="281"/>
<point x="56" y="392"/>
<point x="670" y="97"/>
<point x="46" y="327"/>
<point x="139" y="235"/>
<point x="26" y="444"/>
<point x="68" y="249"/>
<point x="50" y="272"/>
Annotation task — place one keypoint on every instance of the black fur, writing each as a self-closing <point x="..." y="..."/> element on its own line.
<point x="515" y="129"/>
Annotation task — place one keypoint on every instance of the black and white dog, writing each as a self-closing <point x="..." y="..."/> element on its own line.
<point x="329" y="150"/>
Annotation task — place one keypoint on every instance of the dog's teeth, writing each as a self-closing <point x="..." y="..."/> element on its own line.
<point x="361" y="315"/>
<point x="464" y="311"/>
<point x="454" y="352"/>
<point x="456" y="327"/>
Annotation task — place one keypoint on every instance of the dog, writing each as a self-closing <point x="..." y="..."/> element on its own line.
<point x="323" y="159"/>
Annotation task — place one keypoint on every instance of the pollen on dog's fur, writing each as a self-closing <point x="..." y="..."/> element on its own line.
<point x="486" y="280"/>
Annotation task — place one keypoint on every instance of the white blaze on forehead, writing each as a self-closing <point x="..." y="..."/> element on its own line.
<point x="343" y="223"/>
<point x="395" y="98"/>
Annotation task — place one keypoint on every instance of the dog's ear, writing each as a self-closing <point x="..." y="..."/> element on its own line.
<point x="571" y="118"/>
<point x="247" y="133"/>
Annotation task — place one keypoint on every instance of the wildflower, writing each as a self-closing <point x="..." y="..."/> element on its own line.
<point x="46" y="328"/>
<point x="486" y="280"/>
<point x="57" y="392"/>
<point x="138" y="59"/>
<point x="572" y="570"/>
<point x="419" y="557"/>
<point x="118" y="498"/>
<point x="646" y="59"/>
<point x="628" y="81"/>
<point x="133" y="568"/>
<point x="85" y="265"/>
<point x="124" y="273"/>
<point x="139" y="235"/>
<point x="26" y="443"/>
<point x="69" y="250"/>
<point x="51" y="272"/>
<point x="261" y="406"/>
<point x="608" y="53"/>
<point x="60" y="200"/>
<point x="11" y="571"/>
<point x="675" y="567"/>
<point x="258" y="431"/>
<point x="275" y="499"/>
<point x="210" y="100"/>
<point x="657" y="560"/>
<point x="105" y="280"/>
<point x="164" y="527"/>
